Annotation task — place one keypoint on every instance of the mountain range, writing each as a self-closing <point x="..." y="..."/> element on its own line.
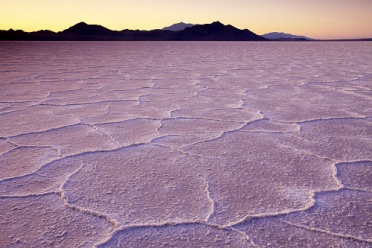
<point x="278" y="36"/>
<point x="215" y="31"/>
<point x="284" y="36"/>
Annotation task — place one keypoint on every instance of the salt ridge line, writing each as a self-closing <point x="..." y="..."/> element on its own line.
<point x="340" y="235"/>
<point x="64" y="198"/>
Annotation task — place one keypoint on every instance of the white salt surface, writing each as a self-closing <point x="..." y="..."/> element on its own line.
<point x="185" y="144"/>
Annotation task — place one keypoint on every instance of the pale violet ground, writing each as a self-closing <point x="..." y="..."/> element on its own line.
<point x="185" y="144"/>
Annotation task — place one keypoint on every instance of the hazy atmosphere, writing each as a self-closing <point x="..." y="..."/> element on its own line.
<point x="331" y="19"/>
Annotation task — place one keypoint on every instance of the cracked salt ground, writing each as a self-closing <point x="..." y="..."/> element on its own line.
<point x="185" y="144"/>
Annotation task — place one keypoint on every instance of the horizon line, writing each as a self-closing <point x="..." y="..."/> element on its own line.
<point x="116" y="30"/>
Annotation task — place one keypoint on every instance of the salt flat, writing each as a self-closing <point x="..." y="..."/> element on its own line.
<point x="185" y="144"/>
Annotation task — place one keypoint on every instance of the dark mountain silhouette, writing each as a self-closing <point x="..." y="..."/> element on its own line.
<point x="218" y="32"/>
<point x="209" y="32"/>
<point x="21" y="35"/>
<point x="178" y="26"/>
<point x="83" y="29"/>
<point x="284" y="36"/>
<point x="15" y="35"/>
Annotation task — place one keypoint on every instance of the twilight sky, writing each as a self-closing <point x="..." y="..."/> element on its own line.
<point x="323" y="19"/>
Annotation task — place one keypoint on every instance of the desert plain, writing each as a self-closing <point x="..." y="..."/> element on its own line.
<point x="186" y="144"/>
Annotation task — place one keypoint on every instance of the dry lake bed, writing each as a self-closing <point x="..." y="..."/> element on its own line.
<point x="186" y="144"/>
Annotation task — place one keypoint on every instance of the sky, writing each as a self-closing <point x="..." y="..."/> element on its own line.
<point x="322" y="19"/>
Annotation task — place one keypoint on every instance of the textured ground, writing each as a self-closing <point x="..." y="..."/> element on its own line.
<point x="185" y="144"/>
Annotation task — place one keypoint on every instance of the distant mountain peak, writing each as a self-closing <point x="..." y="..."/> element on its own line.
<point x="85" y="29"/>
<point x="178" y="26"/>
<point x="280" y="35"/>
<point x="81" y="24"/>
